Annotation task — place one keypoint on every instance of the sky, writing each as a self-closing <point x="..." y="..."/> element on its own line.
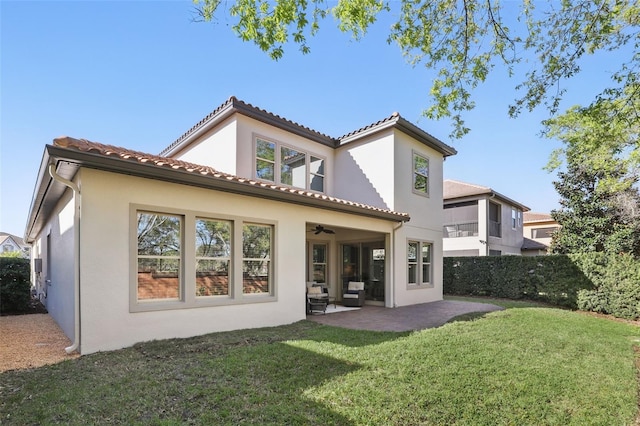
<point x="139" y="74"/>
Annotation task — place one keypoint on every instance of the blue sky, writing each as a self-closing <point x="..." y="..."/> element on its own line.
<point x="139" y="74"/>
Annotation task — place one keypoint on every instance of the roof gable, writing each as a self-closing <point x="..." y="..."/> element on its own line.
<point x="235" y="106"/>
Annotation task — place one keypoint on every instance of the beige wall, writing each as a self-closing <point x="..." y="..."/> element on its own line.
<point x="215" y="148"/>
<point x="55" y="284"/>
<point x="364" y="171"/>
<point x="107" y="322"/>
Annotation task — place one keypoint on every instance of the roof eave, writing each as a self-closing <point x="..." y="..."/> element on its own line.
<point x="233" y="106"/>
<point x="151" y="171"/>
<point x="397" y="122"/>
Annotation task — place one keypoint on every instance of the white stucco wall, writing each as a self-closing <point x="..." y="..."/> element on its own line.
<point x="107" y="322"/>
<point x="426" y="218"/>
<point x="56" y="281"/>
<point x="364" y="171"/>
<point x="216" y="148"/>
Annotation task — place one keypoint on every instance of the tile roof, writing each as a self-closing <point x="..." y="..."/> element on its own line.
<point x="124" y="154"/>
<point x="529" y="244"/>
<point x="453" y="189"/>
<point x="233" y="105"/>
<point x="457" y="189"/>
<point x="537" y="217"/>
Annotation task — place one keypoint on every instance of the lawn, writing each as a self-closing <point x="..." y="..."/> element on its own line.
<point x="520" y="366"/>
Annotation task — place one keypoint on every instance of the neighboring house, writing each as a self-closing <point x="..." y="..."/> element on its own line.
<point x="10" y="244"/>
<point x="537" y="229"/>
<point x="223" y="229"/>
<point x="479" y="221"/>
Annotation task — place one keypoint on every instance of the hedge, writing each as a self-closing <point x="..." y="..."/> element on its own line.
<point x="597" y="282"/>
<point x="15" y="286"/>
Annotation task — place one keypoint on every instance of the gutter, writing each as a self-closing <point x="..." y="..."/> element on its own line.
<point x="76" y="278"/>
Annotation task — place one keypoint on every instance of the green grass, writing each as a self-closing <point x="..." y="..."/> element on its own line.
<point x="526" y="366"/>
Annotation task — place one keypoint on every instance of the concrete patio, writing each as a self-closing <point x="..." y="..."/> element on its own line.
<point x="406" y="318"/>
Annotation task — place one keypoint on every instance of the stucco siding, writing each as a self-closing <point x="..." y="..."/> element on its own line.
<point x="365" y="171"/>
<point x="107" y="322"/>
<point x="216" y="148"/>
<point x="406" y="294"/>
<point x="55" y="246"/>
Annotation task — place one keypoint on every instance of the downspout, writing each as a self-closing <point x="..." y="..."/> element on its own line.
<point x="76" y="256"/>
<point x="393" y="269"/>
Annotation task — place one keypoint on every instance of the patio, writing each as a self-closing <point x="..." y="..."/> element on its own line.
<point x="405" y="318"/>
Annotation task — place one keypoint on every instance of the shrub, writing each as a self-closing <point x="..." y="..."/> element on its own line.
<point x="597" y="282"/>
<point x="616" y="278"/>
<point x="15" y="286"/>
<point x="551" y="279"/>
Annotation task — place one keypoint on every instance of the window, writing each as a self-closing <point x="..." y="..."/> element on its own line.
<point x="516" y="218"/>
<point x="543" y="232"/>
<point x="256" y="258"/>
<point x="186" y="260"/>
<point x="316" y="174"/>
<point x="495" y="227"/>
<point x="419" y="263"/>
<point x="290" y="166"/>
<point x="420" y="174"/>
<point x="495" y="253"/>
<point x="319" y="263"/>
<point x="159" y="256"/>
<point x="265" y="160"/>
<point x="213" y="257"/>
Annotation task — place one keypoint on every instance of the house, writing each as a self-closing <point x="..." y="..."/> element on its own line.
<point x="479" y="221"/>
<point x="222" y="229"/>
<point x="538" y="228"/>
<point x="11" y="244"/>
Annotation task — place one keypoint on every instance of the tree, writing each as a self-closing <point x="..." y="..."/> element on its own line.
<point x="594" y="218"/>
<point x="463" y="40"/>
<point x="600" y="201"/>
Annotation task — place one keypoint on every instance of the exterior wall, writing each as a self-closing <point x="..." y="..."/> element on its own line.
<point x="364" y="171"/>
<point x="472" y="244"/>
<point x="511" y="241"/>
<point x="215" y="148"/>
<point x="248" y="129"/>
<point x="55" y="284"/>
<point x="529" y="227"/>
<point x="107" y="322"/>
<point x="426" y="219"/>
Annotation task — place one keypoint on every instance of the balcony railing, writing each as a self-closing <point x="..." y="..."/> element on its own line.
<point x="456" y="230"/>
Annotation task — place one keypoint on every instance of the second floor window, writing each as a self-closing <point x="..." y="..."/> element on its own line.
<point x="495" y="225"/>
<point x="289" y="166"/>
<point x="420" y="174"/>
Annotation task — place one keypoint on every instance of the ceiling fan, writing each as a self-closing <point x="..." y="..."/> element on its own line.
<point x="320" y="228"/>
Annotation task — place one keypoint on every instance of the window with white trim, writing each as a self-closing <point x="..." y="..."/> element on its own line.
<point x="289" y="166"/>
<point x="420" y="174"/>
<point x="419" y="263"/>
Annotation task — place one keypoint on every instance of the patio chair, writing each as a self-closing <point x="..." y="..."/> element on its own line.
<point x="317" y="298"/>
<point x="354" y="295"/>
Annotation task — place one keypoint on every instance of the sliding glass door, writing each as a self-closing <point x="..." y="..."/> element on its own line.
<point x="365" y="262"/>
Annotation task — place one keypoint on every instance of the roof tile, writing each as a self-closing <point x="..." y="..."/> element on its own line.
<point x="165" y="162"/>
